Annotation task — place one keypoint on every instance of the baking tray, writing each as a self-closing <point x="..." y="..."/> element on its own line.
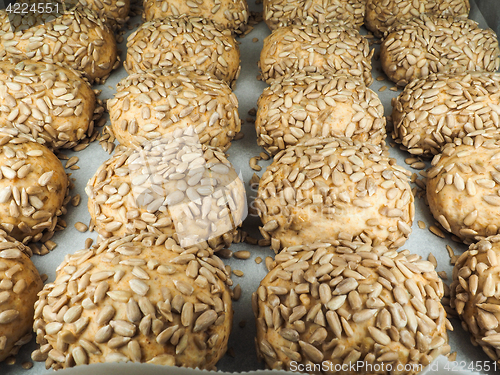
<point x="241" y="356"/>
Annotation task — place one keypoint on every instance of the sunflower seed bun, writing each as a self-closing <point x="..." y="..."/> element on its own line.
<point x="327" y="306"/>
<point x="20" y="284"/>
<point x="462" y="186"/>
<point x="76" y="37"/>
<point x="115" y="12"/>
<point x="141" y="299"/>
<point x="51" y="103"/>
<point x="156" y="103"/>
<point x="33" y="189"/>
<point x="381" y="15"/>
<point x="474" y="294"/>
<point x="296" y="48"/>
<point x="430" y="50"/>
<point x="303" y="106"/>
<point x="335" y="189"/>
<point x="227" y="14"/>
<point x="280" y="13"/>
<point x="171" y="186"/>
<point x="192" y="43"/>
<point x="433" y="111"/>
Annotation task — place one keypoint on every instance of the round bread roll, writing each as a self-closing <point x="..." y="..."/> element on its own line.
<point x="20" y="284"/>
<point x="463" y="187"/>
<point x="474" y="294"/>
<point x="432" y="111"/>
<point x="77" y="38"/>
<point x="114" y="11"/>
<point x="33" y="187"/>
<point x="355" y="305"/>
<point x="303" y="106"/>
<point x="381" y="15"/>
<point x="173" y="186"/>
<point x="195" y="44"/>
<point x="280" y="13"/>
<point x="156" y="103"/>
<point x="434" y="47"/>
<point x="51" y="103"/>
<point x="227" y="14"/>
<point x="297" y="48"/>
<point x="140" y="299"/>
<point x="335" y="189"/>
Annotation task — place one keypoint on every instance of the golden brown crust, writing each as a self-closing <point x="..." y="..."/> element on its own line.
<point x="51" y="103"/>
<point x="381" y="15"/>
<point x="329" y="190"/>
<point x="328" y="305"/>
<point x="20" y="285"/>
<point x="174" y="99"/>
<point x="191" y="43"/>
<point x="296" y="48"/>
<point x="430" y="50"/>
<point x="228" y="14"/>
<point x="141" y="299"/>
<point x="33" y="188"/>
<point x="97" y="58"/>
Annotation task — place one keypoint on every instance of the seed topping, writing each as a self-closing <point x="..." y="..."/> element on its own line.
<point x="170" y="185"/>
<point x="88" y="46"/>
<point x="201" y="101"/>
<point x="227" y="14"/>
<point x="433" y="111"/>
<point x="300" y="48"/>
<point x="417" y="47"/>
<point x="33" y="188"/>
<point x="134" y="315"/>
<point x="334" y="311"/>
<point x="357" y="112"/>
<point x="466" y="174"/>
<point x="335" y="180"/>
<point x="195" y="43"/>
